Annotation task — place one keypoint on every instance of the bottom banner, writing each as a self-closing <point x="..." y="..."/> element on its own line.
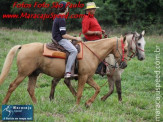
<point x="17" y="112"/>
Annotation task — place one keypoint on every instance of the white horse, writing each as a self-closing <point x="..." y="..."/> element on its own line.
<point x="136" y="44"/>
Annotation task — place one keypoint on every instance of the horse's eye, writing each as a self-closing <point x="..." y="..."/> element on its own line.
<point x="139" y="44"/>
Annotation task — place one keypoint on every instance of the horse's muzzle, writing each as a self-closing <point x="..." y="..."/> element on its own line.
<point x="141" y="58"/>
<point x="123" y="65"/>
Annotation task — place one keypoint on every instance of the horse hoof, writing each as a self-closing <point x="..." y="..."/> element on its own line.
<point x="4" y="102"/>
<point x="34" y="101"/>
<point x="120" y="101"/>
<point x="51" y="98"/>
<point x="103" y="99"/>
<point x="87" y="105"/>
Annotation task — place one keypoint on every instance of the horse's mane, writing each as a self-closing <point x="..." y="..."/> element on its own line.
<point x="100" y="40"/>
<point x="134" y="33"/>
<point x="125" y="34"/>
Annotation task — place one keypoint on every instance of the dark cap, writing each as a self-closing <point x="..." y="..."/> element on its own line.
<point x="63" y="3"/>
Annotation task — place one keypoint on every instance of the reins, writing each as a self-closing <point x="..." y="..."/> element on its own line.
<point x="104" y="62"/>
<point x="107" y="64"/>
<point x="92" y="52"/>
<point x="122" y="46"/>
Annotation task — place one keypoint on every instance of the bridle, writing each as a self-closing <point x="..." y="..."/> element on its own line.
<point x="133" y="54"/>
<point x="122" y="46"/>
<point x="110" y="73"/>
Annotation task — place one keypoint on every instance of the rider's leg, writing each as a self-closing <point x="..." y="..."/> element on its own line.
<point x="73" y="53"/>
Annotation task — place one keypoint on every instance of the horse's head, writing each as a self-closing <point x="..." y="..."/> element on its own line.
<point x="136" y="45"/>
<point x="120" y="53"/>
<point x="140" y="44"/>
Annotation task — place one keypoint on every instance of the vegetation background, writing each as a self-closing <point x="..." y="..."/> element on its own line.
<point x="138" y="80"/>
<point x="113" y="15"/>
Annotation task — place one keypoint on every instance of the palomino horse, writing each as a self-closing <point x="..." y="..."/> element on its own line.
<point x="31" y="62"/>
<point x="136" y="44"/>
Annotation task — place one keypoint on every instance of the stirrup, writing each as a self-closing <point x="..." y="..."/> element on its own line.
<point x="74" y="75"/>
<point x="67" y="75"/>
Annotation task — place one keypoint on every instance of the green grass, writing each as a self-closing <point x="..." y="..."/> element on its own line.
<point x="138" y="87"/>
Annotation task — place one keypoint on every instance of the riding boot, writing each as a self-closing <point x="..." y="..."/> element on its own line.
<point x="98" y="70"/>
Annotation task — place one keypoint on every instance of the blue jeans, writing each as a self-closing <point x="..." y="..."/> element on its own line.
<point x="73" y="53"/>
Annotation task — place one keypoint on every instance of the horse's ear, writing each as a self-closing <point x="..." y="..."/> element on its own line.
<point x="143" y="32"/>
<point x="125" y="41"/>
<point x="136" y="33"/>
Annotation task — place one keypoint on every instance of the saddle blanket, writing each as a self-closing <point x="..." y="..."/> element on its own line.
<point x="58" y="54"/>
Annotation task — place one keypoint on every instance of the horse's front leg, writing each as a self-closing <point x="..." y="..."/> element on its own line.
<point x="55" y="81"/>
<point x="118" y="87"/>
<point x="68" y="83"/>
<point x="81" y="82"/>
<point x="92" y="83"/>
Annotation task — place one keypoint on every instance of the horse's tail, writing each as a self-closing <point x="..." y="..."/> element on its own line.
<point x="8" y="63"/>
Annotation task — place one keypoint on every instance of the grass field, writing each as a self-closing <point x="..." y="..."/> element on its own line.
<point x="138" y="88"/>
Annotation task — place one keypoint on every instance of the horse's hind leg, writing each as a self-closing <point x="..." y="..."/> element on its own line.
<point x="68" y="83"/>
<point x="118" y="87"/>
<point x="55" y="81"/>
<point x="31" y="87"/>
<point x="92" y="83"/>
<point x="111" y="88"/>
<point x="12" y="87"/>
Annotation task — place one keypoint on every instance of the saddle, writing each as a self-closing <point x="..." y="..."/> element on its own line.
<point x="54" y="50"/>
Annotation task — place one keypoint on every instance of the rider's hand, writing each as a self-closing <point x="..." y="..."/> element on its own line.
<point x="103" y="31"/>
<point x="98" y="32"/>
<point x="78" y="39"/>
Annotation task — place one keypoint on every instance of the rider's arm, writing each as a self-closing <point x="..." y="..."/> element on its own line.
<point x="62" y="28"/>
<point x="93" y="33"/>
<point x="69" y="37"/>
<point x="85" y="28"/>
